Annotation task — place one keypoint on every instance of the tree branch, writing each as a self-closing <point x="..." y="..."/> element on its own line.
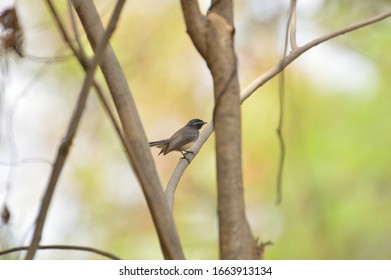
<point x="63" y="247"/>
<point x="183" y="164"/>
<point x="292" y="25"/>
<point x="261" y="80"/>
<point x="67" y="141"/>
<point x="195" y="24"/>
<point x="290" y="35"/>
<point x="83" y="60"/>
<point x="215" y="42"/>
<point x="135" y="139"/>
<point x="74" y="28"/>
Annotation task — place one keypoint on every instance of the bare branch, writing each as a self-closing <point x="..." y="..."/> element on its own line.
<point x="260" y="81"/>
<point x="224" y="8"/>
<point x="292" y="24"/>
<point x="63" y="247"/>
<point x="195" y="24"/>
<point x="67" y="141"/>
<point x="182" y="165"/>
<point x="83" y="60"/>
<point x="75" y="29"/>
<point x="281" y="161"/>
<point x="110" y="112"/>
<point x="64" y="33"/>
<point x="257" y="83"/>
<point x="213" y="37"/>
<point x="135" y="139"/>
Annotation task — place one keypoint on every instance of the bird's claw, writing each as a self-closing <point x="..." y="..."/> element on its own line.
<point x="184" y="155"/>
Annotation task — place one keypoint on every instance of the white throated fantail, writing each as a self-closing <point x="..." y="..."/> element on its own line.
<point x="182" y="140"/>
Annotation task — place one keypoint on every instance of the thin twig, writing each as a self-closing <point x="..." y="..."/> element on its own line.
<point x="281" y="160"/>
<point x="63" y="247"/>
<point x="71" y="132"/>
<point x="110" y="112"/>
<point x="63" y="31"/>
<point x="256" y="84"/>
<point x="101" y="95"/>
<point x="83" y="60"/>
<point x="292" y="25"/>
<point x="75" y="29"/>
<point x="261" y="80"/>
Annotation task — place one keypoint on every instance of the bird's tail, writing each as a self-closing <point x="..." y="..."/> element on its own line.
<point x="158" y="144"/>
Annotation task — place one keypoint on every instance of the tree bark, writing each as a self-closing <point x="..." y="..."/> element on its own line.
<point x="213" y="36"/>
<point x="134" y="134"/>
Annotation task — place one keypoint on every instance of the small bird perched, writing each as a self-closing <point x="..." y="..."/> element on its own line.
<point x="182" y="140"/>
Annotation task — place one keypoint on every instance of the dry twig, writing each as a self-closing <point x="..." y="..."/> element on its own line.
<point x="62" y="247"/>
<point x="71" y="132"/>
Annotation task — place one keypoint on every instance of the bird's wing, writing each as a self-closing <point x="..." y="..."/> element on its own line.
<point x="180" y="138"/>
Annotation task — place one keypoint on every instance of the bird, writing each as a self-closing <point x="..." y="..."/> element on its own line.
<point x="182" y="140"/>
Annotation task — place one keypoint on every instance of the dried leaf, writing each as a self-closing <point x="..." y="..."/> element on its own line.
<point x="11" y="38"/>
<point x="5" y="215"/>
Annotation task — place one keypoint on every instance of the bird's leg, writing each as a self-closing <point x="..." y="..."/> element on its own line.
<point x="184" y="155"/>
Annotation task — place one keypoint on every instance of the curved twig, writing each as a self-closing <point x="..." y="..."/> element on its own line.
<point x="63" y="247"/>
<point x="290" y="35"/>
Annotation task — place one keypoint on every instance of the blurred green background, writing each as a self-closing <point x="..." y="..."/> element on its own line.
<point x="337" y="177"/>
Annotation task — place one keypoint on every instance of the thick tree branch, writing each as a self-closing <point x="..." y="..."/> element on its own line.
<point x="67" y="141"/>
<point x="136" y="141"/>
<point x="215" y="42"/>
<point x="224" y="9"/>
<point x="195" y="24"/>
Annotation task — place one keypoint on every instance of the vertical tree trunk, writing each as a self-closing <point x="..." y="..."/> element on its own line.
<point x="213" y="36"/>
